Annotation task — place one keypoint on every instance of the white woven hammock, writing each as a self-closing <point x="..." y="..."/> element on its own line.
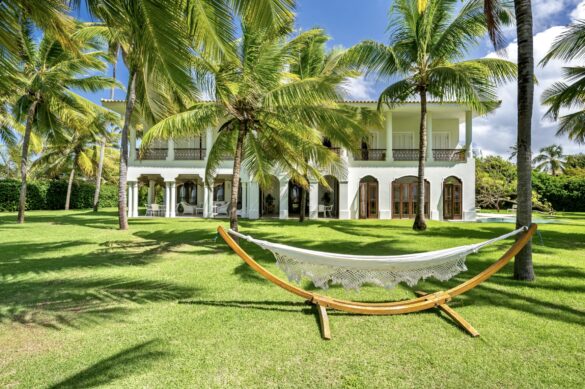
<point x="352" y="271"/>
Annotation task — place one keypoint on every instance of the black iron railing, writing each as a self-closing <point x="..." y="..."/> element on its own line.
<point x="457" y="155"/>
<point x="370" y="155"/>
<point x="188" y="154"/>
<point x="152" y="154"/>
<point x="405" y="154"/>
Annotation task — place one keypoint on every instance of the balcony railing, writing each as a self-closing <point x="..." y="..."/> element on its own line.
<point x="187" y="154"/>
<point x="152" y="154"/>
<point x="405" y="154"/>
<point x="449" y="155"/>
<point x="370" y="155"/>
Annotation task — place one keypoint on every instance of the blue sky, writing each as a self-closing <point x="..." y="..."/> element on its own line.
<point x="351" y="21"/>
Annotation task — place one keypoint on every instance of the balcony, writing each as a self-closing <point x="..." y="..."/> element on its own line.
<point x="370" y="155"/>
<point x="153" y="154"/>
<point x="405" y="154"/>
<point x="188" y="154"/>
<point x="336" y="150"/>
<point x="451" y="155"/>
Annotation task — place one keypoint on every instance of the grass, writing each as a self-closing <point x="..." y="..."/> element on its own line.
<point x="165" y="305"/>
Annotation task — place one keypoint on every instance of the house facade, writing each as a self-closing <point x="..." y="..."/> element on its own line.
<point x="379" y="181"/>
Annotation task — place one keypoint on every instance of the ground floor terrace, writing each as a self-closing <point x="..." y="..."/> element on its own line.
<point x="362" y="193"/>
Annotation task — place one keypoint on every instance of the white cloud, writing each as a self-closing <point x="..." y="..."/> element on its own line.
<point x="496" y="133"/>
<point x="579" y="12"/>
<point x="359" y="88"/>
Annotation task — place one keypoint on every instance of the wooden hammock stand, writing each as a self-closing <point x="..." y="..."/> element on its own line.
<point x="425" y="301"/>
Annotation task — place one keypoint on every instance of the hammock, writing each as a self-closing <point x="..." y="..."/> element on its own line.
<point x="353" y="271"/>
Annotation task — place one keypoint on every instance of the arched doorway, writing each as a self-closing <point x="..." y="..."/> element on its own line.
<point x="329" y="198"/>
<point x="368" y="198"/>
<point x="294" y="200"/>
<point x="269" y="199"/>
<point x="405" y="196"/>
<point x="452" y="198"/>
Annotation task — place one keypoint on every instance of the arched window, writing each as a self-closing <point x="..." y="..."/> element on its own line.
<point x="368" y="198"/>
<point x="405" y="197"/>
<point x="452" y="198"/>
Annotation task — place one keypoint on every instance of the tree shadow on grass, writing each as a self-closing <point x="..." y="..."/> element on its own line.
<point x="75" y="303"/>
<point x="125" y="363"/>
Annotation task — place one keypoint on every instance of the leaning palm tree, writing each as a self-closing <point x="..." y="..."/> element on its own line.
<point x="426" y="45"/>
<point x="568" y="94"/>
<point x="550" y="159"/>
<point x="261" y="110"/>
<point x="44" y="100"/>
<point x="523" y="268"/>
<point x="158" y="58"/>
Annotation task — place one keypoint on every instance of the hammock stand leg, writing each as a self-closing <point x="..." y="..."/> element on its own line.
<point x="323" y="322"/>
<point x="464" y="324"/>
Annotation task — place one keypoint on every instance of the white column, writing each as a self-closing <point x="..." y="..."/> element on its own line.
<point x="468" y="134"/>
<point x="151" y="191"/>
<point x="283" y="203"/>
<point x="205" y="202"/>
<point x="343" y="200"/>
<point x="384" y="200"/>
<point x="430" y="137"/>
<point x="244" y="199"/>
<point x="389" y="155"/>
<point x="171" y="150"/>
<point x="167" y="199"/>
<point x="210" y="201"/>
<point x="135" y="200"/>
<point x="313" y="200"/>
<point x="132" y="146"/>
<point x="208" y="141"/>
<point x="173" y="202"/>
<point x="253" y="205"/>
<point x="130" y="197"/>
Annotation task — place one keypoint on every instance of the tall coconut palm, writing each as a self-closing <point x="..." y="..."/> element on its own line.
<point x="427" y="43"/>
<point x="46" y="74"/>
<point x="261" y="110"/>
<point x="523" y="268"/>
<point x="158" y="57"/>
<point x="550" y="159"/>
<point x="568" y="94"/>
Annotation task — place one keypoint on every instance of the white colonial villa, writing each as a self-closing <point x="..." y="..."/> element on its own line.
<point x="379" y="182"/>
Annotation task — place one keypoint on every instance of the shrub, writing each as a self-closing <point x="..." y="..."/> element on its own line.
<point x="51" y="195"/>
<point x="565" y="193"/>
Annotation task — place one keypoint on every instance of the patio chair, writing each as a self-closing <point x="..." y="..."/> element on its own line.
<point x="187" y="208"/>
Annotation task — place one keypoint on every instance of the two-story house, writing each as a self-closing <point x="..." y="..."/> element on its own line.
<point x="379" y="182"/>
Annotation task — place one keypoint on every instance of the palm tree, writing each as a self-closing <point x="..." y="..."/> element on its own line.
<point x="312" y="60"/>
<point x="158" y="58"/>
<point x="523" y="268"/>
<point x="567" y="95"/>
<point x="262" y="110"/>
<point x="550" y="159"/>
<point x="426" y="44"/>
<point x="46" y="74"/>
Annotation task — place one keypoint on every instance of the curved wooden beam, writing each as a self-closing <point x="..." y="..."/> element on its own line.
<point x="390" y="308"/>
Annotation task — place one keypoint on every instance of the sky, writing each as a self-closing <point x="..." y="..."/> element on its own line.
<point x="350" y="21"/>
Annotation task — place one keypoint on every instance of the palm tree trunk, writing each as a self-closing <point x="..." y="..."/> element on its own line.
<point x="236" y="177"/>
<point x="130" y="102"/>
<point x="70" y="185"/>
<point x="24" y="159"/>
<point x="523" y="269"/>
<point x="98" y="177"/>
<point x="114" y="65"/>
<point x="303" y="205"/>
<point x="419" y="219"/>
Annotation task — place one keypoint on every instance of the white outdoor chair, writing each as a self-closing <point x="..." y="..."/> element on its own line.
<point x="325" y="209"/>
<point x="155" y="210"/>
<point x="187" y="208"/>
<point x="221" y="208"/>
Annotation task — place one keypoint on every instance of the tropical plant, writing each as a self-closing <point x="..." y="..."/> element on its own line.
<point x="313" y="61"/>
<point x="263" y="112"/>
<point x="568" y="94"/>
<point x="495" y="182"/>
<point x="426" y="45"/>
<point x="551" y="160"/>
<point x="523" y="269"/>
<point x="158" y="58"/>
<point x="46" y="74"/>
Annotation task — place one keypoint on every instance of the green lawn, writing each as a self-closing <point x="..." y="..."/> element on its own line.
<point x="165" y="305"/>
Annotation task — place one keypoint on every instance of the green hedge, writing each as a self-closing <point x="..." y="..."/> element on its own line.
<point x="51" y="195"/>
<point x="565" y="193"/>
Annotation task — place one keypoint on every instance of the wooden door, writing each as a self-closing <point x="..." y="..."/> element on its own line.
<point x="452" y="201"/>
<point x="368" y="201"/>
